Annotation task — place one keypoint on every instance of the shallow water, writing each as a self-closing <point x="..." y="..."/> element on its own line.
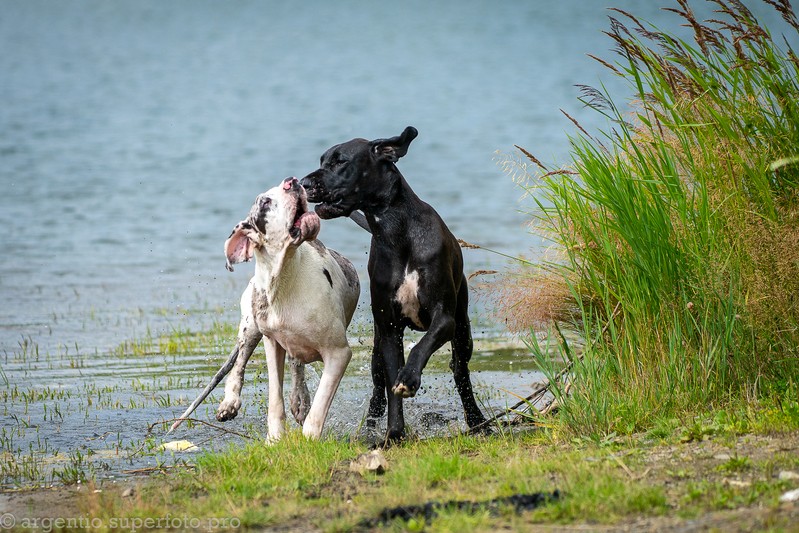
<point x="134" y="135"/>
<point x="102" y="416"/>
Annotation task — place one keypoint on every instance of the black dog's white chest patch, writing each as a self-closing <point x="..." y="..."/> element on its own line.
<point x="408" y="297"/>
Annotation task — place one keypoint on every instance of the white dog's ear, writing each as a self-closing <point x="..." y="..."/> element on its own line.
<point x="240" y="245"/>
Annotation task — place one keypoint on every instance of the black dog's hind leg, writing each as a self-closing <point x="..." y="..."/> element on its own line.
<point x="462" y="347"/>
<point x="377" y="404"/>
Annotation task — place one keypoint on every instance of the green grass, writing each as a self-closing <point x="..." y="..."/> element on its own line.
<point x="217" y="338"/>
<point x="677" y="227"/>
<point x="301" y="483"/>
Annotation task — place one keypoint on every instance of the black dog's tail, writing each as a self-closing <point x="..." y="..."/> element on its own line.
<point x="360" y="219"/>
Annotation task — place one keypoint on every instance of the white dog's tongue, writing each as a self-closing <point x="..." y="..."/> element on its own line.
<point x="286" y="185"/>
<point x="309" y="226"/>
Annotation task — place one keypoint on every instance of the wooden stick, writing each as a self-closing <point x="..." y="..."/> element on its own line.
<point x="198" y="421"/>
<point x="151" y="469"/>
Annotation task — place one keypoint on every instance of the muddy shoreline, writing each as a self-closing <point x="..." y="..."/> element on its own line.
<point x="78" y="505"/>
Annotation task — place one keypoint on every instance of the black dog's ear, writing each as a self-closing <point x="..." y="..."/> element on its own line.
<point x="395" y="147"/>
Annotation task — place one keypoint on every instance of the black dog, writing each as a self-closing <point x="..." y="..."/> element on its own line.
<point x="415" y="270"/>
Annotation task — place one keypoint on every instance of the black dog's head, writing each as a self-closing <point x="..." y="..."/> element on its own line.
<point x="357" y="174"/>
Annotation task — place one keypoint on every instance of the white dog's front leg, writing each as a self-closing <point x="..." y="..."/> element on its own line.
<point x="275" y="364"/>
<point x="230" y="404"/>
<point x="335" y="364"/>
<point x="248" y="339"/>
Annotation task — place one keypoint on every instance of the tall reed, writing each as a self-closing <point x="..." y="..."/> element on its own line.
<point x="679" y="228"/>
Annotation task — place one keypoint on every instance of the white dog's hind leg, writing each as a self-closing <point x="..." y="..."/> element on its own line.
<point x="300" y="398"/>
<point x="276" y="415"/>
<point x="335" y="364"/>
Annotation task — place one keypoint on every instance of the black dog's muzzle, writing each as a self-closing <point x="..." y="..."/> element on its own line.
<point x="313" y="187"/>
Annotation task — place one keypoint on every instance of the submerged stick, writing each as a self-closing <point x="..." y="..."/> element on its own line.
<point x="198" y="421"/>
<point x="221" y="373"/>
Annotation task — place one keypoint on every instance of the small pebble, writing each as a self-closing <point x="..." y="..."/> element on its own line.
<point x="373" y="461"/>
<point x="790" y="496"/>
<point x="786" y="475"/>
<point x="128" y="492"/>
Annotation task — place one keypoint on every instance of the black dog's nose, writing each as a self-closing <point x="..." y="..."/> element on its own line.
<point x="313" y="185"/>
<point x="291" y="183"/>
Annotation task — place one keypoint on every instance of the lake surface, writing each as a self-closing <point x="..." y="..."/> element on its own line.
<point x="135" y="135"/>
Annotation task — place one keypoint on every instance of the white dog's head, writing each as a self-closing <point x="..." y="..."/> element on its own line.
<point x="279" y="218"/>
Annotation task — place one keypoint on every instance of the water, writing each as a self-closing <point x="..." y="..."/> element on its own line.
<point x="134" y="135"/>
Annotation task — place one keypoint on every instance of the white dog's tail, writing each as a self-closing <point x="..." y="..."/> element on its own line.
<point x="221" y="373"/>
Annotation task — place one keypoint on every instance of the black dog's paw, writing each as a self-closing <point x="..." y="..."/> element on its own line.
<point x="377" y="404"/>
<point x="407" y="383"/>
<point x="483" y="428"/>
<point x="393" y="436"/>
<point x="478" y="425"/>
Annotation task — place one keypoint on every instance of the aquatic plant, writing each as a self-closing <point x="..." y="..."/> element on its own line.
<point x="676" y="231"/>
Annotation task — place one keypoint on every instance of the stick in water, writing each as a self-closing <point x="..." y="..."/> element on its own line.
<point x="221" y="373"/>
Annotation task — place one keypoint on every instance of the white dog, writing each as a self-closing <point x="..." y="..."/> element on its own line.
<point x="300" y="301"/>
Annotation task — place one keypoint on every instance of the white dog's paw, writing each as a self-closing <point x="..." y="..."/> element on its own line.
<point x="312" y="430"/>
<point x="228" y="409"/>
<point x="271" y="439"/>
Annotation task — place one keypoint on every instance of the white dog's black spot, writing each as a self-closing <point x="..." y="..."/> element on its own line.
<point x="317" y="245"/>
<point x="327" y="275"/>
<point x="260" y="211"/>
<point x="346" y="268"/>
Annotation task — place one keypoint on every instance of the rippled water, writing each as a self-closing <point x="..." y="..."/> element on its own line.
<point x="135" y="134"/>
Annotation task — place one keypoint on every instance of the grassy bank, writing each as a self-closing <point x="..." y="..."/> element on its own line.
<point x="308" y="486"/>
<point x="676" y="230"/>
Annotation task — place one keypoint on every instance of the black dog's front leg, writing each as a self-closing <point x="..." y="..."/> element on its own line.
<point x="393" y="359"/>
<point x="442" y="329"/>
<point x="377" y="404"/>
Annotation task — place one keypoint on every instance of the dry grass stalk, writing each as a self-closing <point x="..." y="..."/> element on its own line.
<point x="526" y="302"/>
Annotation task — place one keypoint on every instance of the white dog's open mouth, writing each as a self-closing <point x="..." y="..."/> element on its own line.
<point x="302" y="209"/>
<point x="304" y="224"/>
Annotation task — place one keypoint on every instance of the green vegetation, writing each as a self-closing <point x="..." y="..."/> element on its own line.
<point x="308" y="485"/>
<point x="217" y="338"/>
<point x="677" y="228"/>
